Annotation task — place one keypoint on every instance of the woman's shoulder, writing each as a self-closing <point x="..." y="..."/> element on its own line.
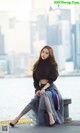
<point x="54" y="68"/>
<point x="54" y="65"/>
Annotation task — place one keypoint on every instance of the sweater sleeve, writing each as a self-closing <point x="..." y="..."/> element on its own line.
<point x="36" y="82"/>
<point x="53" y="74"/>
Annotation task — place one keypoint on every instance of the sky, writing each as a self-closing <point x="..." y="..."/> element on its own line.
<point x="21" y="7"/>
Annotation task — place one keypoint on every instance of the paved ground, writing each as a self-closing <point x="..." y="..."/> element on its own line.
<point x="73" y="127"/>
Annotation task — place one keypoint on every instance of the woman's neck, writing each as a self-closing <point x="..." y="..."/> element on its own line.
<point x="44" y="60"/>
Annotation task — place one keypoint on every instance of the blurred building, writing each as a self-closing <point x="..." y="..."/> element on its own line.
<point x="78" y="44"/>
<point x="3" y="65"/>
<point x="2" y="48"/>
<point x="73" y="30"/>
<point x="17" y="64"/>
<point x="76" y="37"/>
<point x="52" y="27"/>
<point x="38" y="24"/>
<point x="16" y="33"/>
<point x="59" y="34"/>
<point x="38" y="30"/>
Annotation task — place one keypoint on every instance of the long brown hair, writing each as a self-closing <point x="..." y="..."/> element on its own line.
<point x="51" y="57"/>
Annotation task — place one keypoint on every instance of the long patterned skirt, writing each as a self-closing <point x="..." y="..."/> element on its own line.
<point x="44" y="104"/>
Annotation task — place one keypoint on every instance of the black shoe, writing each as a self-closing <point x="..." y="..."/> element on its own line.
<point x="51" y="125"/>
<point x="11" y="124"/>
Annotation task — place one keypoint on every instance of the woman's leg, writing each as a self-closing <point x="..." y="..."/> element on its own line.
<point x="49" y="110"/>
<point x="24" y="111"/>
<point x="45" y="100"/>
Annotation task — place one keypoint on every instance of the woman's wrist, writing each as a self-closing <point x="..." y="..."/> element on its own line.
<point x="46" y="86"/>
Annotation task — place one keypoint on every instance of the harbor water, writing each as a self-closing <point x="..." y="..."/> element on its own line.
<point x="15" y="94"/>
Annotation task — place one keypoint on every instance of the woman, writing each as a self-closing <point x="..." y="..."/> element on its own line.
<point x="47" y="102"/>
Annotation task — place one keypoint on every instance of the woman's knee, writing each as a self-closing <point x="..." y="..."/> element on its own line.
<point x="34" y="100"/>
<point x="43" y="96"/>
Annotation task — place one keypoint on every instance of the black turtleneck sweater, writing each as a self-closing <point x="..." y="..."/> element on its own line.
<point x="45" y="70"/>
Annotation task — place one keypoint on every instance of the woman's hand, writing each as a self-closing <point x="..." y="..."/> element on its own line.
<point x="42" y="91"/>
<point x="37" y="93"/>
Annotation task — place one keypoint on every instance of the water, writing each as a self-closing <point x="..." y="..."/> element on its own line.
<point x="15" y="94"/>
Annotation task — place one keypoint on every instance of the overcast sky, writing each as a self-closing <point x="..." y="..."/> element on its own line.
<point x="13" y="4"/>
<point x="21" y="7"/>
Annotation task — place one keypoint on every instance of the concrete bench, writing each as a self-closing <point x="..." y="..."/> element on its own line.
<point x="66" y="109"/>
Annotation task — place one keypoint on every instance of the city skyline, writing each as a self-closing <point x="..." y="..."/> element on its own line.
<point x="21" y="39"/>
<point x="15" y="13"/>
<point x="20" y="10"/>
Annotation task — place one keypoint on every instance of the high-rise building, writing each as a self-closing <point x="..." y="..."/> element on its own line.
<point x="38" y="31"/>
<point x="76" y="37"/>
<point x="55" y="17"/>
<point x="77" y="44"/>
<point x="59" y="33"/>
<point x="2" y="51"/>
<point x="38" y="24"/>
<point x="56" y="29"/>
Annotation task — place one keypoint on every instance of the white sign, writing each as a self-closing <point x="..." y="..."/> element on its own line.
<point x="4" y="129"/>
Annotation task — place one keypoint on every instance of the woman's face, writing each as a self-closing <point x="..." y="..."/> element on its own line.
<point x="45" y="53"/>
